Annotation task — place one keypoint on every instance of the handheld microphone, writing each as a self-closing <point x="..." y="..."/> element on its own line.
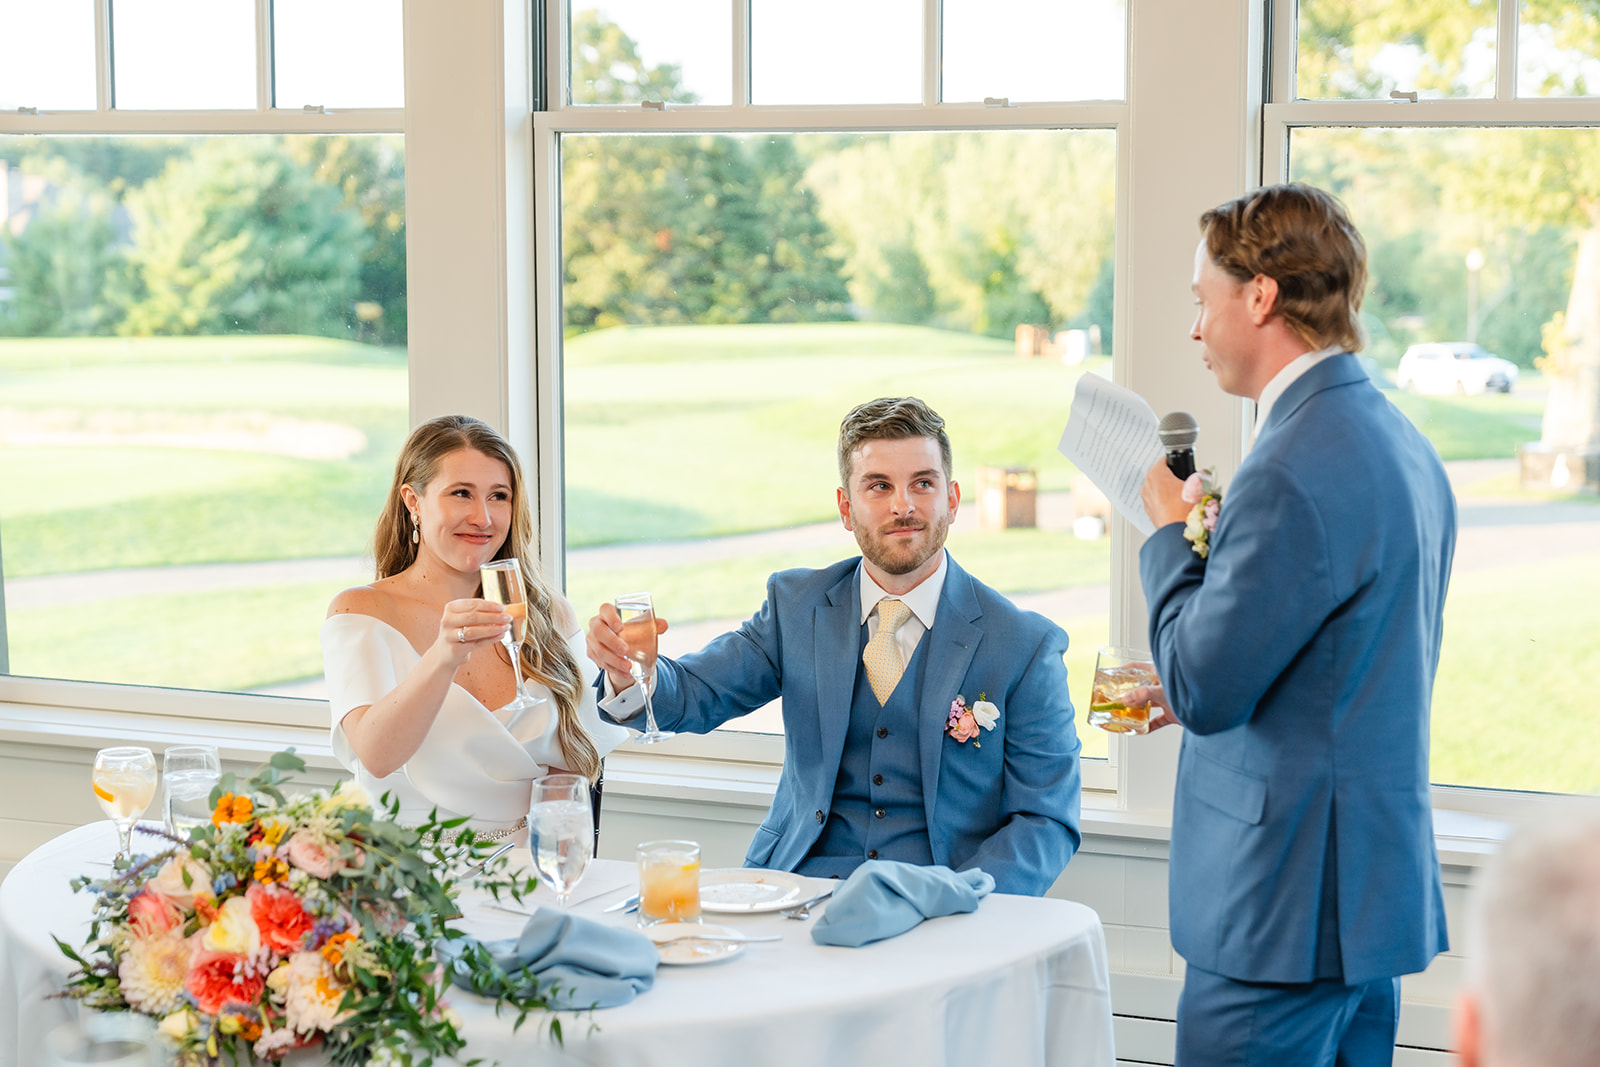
<point x="1177" y="432"/>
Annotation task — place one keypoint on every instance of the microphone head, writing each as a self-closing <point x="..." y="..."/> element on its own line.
<point x="1178" y="430"/>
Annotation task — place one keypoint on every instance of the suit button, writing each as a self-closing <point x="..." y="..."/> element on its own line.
<point x="877" y="779"/>
<point x="821" y="818"/>
<point x="880" y="813"/>
<point x="872" y="853"/>
<point x="883" y="731"/>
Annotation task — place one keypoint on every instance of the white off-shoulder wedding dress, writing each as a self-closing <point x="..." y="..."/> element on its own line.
<point x="474" y="761"/>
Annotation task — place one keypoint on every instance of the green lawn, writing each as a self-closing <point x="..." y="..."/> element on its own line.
<point x="671" y="433"/>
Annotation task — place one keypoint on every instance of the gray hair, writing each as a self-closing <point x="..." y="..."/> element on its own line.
<point x="1534" y="940"/>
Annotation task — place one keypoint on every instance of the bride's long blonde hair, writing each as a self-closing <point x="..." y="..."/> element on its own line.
<point x="544" y="655"/>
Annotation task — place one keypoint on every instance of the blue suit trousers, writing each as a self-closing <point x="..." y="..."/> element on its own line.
<point x="1223" y="1022"/>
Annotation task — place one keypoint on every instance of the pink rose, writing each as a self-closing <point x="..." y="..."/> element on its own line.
<point x="1193" y="488"/>
<point x="316" y="860"/>
<point x="966" y="728"/>
<point x="151" y="913"/>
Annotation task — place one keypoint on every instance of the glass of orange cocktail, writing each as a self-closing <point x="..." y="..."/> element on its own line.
<point x="669" y="882"/>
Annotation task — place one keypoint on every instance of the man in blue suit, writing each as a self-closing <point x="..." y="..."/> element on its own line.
<point x="1300" y="656"/>
<point x="925" y="717"/>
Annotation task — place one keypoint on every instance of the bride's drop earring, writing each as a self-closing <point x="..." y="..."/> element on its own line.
<point x="416" y="530"/>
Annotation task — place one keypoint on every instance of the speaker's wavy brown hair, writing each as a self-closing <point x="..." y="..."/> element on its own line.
<point x="1301" y="238"/>
<point x="544" y="654"/>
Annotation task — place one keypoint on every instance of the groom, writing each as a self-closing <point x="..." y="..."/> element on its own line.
<point x="925" y="717"/>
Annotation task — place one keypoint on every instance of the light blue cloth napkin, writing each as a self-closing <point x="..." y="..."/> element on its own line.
<point x="885" y="898"/>
<point x="592" y="965"/>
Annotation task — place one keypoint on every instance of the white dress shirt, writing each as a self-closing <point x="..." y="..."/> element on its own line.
<point x="923" y="602"/>
<point x="1286" y="377"/>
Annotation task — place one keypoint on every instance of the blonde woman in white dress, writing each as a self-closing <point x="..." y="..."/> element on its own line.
<point x="414" y="661"/>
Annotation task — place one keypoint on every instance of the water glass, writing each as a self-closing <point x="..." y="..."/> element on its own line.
<point x="669" y="882"/>
<point x="191" y="772"/>
<point x="561" y="831"/>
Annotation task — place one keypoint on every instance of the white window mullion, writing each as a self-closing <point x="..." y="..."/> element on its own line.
<point x="1284" y="52"/>
<point x="741" y="53"/>
<point x="126" y="123"/>
<point x="102" y="56"/>
<point x="1505" y="81"/>
<point x="264" y="101"/>
<point x="932" y="53"/>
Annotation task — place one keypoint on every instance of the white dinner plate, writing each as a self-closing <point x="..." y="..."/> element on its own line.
<point x="746" y="890"/>
<point x="675" y="942"/>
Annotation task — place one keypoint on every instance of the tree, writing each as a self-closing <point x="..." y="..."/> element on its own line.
<point x="693" y="228"/>
<point x="238" y="236"/>
<point x="60" y="260"/>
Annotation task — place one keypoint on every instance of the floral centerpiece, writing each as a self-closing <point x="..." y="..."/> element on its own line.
<point x="290" y="922"/>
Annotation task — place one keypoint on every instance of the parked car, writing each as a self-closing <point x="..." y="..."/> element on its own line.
<point x="1454" y="367"/>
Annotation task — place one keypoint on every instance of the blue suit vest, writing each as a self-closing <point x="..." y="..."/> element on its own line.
<point x="878" y="809"/>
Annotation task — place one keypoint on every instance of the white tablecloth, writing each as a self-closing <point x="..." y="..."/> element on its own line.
<point x="1020" y="981"/>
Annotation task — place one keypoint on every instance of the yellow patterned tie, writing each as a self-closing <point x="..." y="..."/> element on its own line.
<point x="882" y="655"/>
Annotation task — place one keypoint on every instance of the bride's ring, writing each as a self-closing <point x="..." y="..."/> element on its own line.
<point x="461" y="634"/>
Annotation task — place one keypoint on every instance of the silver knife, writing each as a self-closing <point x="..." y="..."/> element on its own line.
<point x="625" y="904"/>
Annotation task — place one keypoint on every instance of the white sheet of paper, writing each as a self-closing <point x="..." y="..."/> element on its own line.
<point x="1111" y="438"/>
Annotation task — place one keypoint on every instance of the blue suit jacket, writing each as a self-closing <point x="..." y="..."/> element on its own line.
<point x="1300" y="659"/>
<point x="1009" y="806"/>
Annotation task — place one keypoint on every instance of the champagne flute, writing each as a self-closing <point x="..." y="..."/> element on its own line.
<point x="124" y="781"/>
<point x="561" y="831"/>
<point x="639" y="634"/>
<point x="502" y="583"/>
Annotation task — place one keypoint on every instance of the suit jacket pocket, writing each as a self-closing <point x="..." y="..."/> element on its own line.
<point x="761" y="846"/>
<point x="1228" y="789"/>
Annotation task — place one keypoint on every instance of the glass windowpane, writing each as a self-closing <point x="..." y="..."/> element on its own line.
<point x="1484" y="248"/>
<point x="1027" y="50"/>
<point x="625" y="51"/>
<point x="836" y="52"/>
<point x="338" y="53"/>
<point x="183" y="54"/>
<point x="748" y="291"/>
<point x="1558" y="49"/>
<point x="203" y="344"/>
<point x="47" y="55"/>
<point x="1363" y="49"/>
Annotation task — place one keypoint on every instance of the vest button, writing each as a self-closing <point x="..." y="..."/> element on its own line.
<point x="821" y="818"/>
<point x="877" y="779"/>
<point x="883" y="731"/>
<point x="880" y="813"/>
<point x="872" y="853"/>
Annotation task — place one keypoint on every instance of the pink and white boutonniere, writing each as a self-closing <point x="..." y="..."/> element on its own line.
<point x="964" y="722"/>
<point x="1201" y="490"/>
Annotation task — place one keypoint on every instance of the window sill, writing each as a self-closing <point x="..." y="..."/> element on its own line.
<point x="1465" y="837"/>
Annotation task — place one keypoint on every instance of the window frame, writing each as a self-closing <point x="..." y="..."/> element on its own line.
<point x="562" y="118"/>
<point x="1283" y="113"/>
<point x="25" y="699"/>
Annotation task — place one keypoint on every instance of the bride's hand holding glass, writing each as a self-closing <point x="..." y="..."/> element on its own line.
<point x="468" y="625"/>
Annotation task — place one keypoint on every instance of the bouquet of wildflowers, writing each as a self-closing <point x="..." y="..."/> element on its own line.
<point x="291" y="922"/>
<point x="1202" y="490"/>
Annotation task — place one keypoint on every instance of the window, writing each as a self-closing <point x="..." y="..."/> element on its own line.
<point x="732" y="281"/>
<point x="203" y="326"/>
<point x="1483" y="242"/>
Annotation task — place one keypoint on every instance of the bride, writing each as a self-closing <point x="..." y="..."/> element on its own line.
<point x="414" y="661"/>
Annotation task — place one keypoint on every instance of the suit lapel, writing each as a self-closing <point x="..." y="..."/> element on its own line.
<point x="835" y="637"/>
<point x="952" y="643"/>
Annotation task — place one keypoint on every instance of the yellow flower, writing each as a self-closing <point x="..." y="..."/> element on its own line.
<point x="271" y="870"/>
<point x="272" y="831"/>
<point x="233" y="930"/>
<point x="348" y="796"/>
<point x="177" y="1025"/>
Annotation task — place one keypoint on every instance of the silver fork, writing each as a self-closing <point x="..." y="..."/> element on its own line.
<point x="803" y="910"/>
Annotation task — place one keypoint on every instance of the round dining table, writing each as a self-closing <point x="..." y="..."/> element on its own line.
<point x="1020" y="981"/>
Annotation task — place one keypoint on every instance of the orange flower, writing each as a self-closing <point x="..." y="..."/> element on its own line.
<point x="246" y="1026"/>
<point x="279" y="916"/>
<point x="232" y="809"/>
<point x="333" y="949"/>
<point x="271" y="870"/>
<point x="206" y="909"/>
<point x="217" y="979"/>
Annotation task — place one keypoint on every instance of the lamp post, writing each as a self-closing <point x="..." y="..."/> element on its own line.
<point x="1474" y="265"/>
